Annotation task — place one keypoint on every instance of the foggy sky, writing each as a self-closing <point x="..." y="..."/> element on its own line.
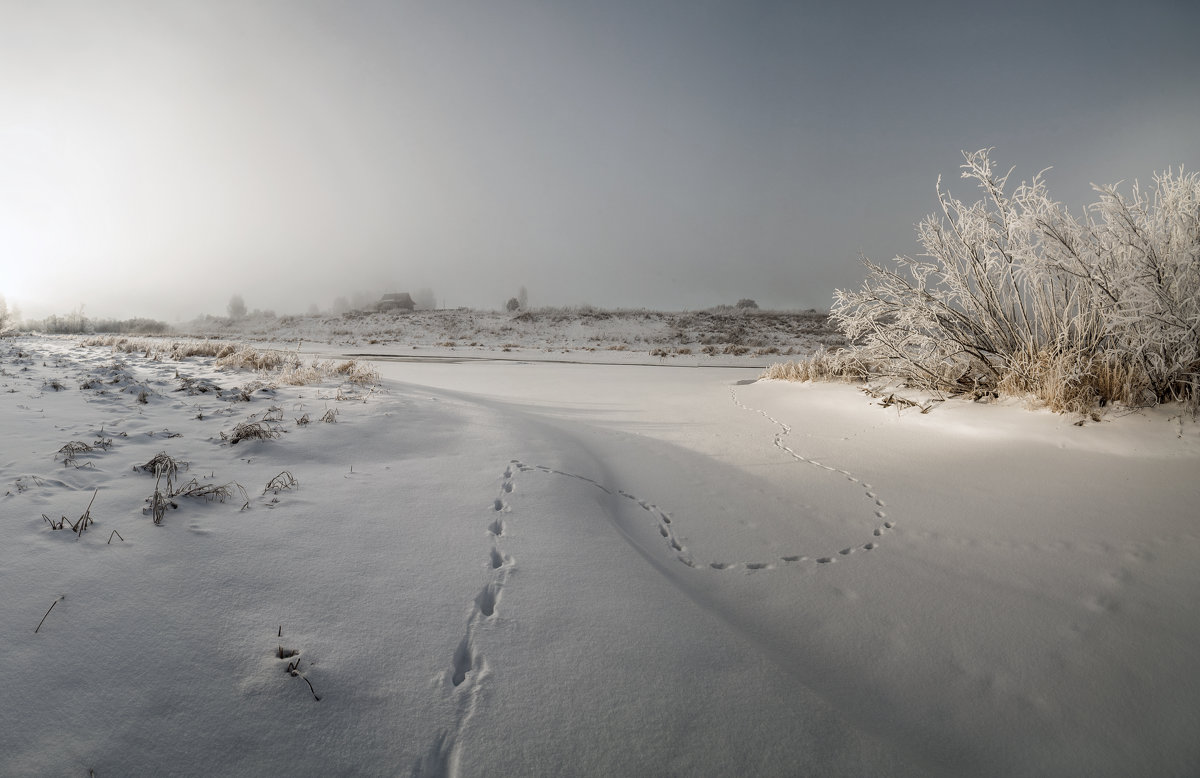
<point x="157" y="157"/>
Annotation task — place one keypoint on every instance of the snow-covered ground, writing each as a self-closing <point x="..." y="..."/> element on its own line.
<point x="535" y="568"/>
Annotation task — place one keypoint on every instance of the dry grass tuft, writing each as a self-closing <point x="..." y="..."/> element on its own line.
<point x="320" y="370"/>
<point x="161" y="464"/>
<point x="70" y="450"/>
<point x="203" y="348"/>
<point x="159" y="502"/>
<point x="1068" y="384"/>
<point x="284" y="480"/>
<point x="835" y="365"/>
<point x="194" y="386"/>
<point x="355" y="373"/>
<point x="248" y="358"/>
<point x="210" y="492"/>
<point x="251" y="430"/>
<point x="78" y="527"/>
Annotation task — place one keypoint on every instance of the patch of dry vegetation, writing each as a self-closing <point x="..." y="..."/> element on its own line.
<point x="71" y="450"/>
<point x="251" y="430"/>
<point x="825" y="365"/>
<point x="350" y="371"/>
<point x="281" y="482"/>
<point x="279" y="366"/>
<point x="266" y="361"/>
<point x="162" y="464"/>
<point x="78" y="527"/>
<point x="210" y="492"/>
<point x="1065" y="383"/>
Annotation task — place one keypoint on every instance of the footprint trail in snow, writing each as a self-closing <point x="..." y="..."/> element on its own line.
<point x="468" y="672"/>
<point x="685" y="555"/>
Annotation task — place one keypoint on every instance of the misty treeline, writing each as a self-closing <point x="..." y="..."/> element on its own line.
<point x="75" y="323"/>
<point x="1014" y="293"/>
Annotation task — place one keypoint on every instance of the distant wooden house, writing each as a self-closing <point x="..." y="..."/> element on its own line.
<point x="396" y="302"/>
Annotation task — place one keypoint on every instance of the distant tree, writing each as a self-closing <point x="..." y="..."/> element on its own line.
<point x="3" y="313"/>
<point x="746" y="302"/>
<point x="522" y="298"/>
<point x="513" y="304"/>
<point x="313" y="310"/>
<point x="236" y="307"/>
<point x="76" y="321"/>
<point x="340" y="305"/>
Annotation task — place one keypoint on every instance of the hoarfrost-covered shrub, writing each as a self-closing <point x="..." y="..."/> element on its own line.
<point x="1013" y="292"/>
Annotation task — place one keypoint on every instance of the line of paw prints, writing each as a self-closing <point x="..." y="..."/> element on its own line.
<point x="666" y="528"/>
<point x="468" y="670"/>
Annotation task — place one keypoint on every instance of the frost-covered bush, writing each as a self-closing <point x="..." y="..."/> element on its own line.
<point x="1014" y="293"/>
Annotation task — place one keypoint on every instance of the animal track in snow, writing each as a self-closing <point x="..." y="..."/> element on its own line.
<point x="464" y="660"/>
<point x="487" y="599"/>
<point x="498" y="559"/>
<point x="666" y="529"/>
<point x="468" y="670"/>
<point x="868" y="489"/>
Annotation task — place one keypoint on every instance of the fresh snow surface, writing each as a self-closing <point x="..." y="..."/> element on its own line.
<point x="523" y="568"/>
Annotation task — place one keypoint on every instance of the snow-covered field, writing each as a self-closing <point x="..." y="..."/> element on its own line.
<point x="721" y="336"/>
<point x="539" y="568"/>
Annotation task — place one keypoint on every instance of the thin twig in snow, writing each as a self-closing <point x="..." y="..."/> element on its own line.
<point x="39" y="626"/>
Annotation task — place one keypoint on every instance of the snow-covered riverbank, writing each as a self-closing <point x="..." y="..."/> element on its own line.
<point x="525" y="568"/>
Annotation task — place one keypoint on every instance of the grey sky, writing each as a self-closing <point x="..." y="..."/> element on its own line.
<point x="157" y="157"/>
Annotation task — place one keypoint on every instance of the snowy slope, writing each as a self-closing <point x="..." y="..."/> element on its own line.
<point x="494" y="568"/>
